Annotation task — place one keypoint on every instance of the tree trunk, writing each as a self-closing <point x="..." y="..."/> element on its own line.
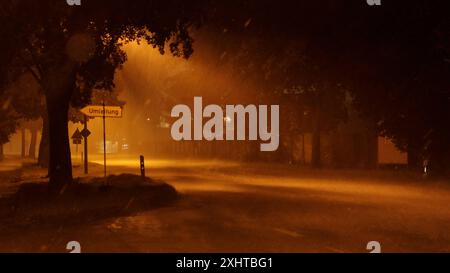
<point x="316" y="161"/>
<point x="413" y="158"/>
<point x="32" y="149"/>
<point x="60" y="164"/>
<point x="59" y="84"/>
<point x="438" y="151"/>
<point x="23" y="153"/>
<point x="303" y="149"/>
<point x="2" y="156"/>
<point x="43" y="157"/>
<point x="372" y="150"/>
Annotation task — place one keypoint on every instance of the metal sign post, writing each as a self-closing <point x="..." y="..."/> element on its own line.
<point x="85" y="133"/>
<point x="104" y="112"/>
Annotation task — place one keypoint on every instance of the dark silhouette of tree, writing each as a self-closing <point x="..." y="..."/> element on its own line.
<point x="28" y="102"/>
<point x="394" y="60"/>
<point x="72" y="50"/>
<point x="400" y="77"/>
<point x="9" y="121"/>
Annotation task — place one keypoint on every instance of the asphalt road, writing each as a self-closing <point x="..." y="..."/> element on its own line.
<point x="231" y="207"/>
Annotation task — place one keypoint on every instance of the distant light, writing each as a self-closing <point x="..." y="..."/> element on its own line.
<point x="425" y="167"/>
<point x="249" y="21"/>
<point x="148" y="119"/>
<point x="227" y="119"/>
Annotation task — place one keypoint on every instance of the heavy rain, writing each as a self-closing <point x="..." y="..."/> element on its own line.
<point x="223" y="126"/>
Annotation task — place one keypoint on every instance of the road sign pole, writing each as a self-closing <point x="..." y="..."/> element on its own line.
<point x="104" y="140"/>
<point x="85" y="147"/>
<point x="103" y="111"/>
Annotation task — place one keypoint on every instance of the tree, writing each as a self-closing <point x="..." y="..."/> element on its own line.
<point x="9" y="120"/>
<point x="73" y="50"/>
<point x="403" y="81"/>
<point x="34" y="128"/>
<point x="27" y="101"/>
<point x="291" y="58"/>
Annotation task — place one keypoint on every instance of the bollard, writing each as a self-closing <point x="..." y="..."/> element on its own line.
<point x="142" y="166"/>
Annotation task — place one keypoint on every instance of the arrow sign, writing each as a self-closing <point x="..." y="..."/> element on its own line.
<point x="97" y="111"/>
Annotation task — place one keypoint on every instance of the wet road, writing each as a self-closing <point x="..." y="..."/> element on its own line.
<point x="230" y="207"/>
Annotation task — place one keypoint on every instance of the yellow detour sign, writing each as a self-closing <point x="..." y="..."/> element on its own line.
<point x="97" y="111"/>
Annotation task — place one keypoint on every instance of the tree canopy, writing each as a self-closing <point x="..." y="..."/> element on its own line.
<point x="71" y="51"/>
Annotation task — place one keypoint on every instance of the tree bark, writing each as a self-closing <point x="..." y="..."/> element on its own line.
<point x="32" y="149"/>
<point x="43" y="157"/>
